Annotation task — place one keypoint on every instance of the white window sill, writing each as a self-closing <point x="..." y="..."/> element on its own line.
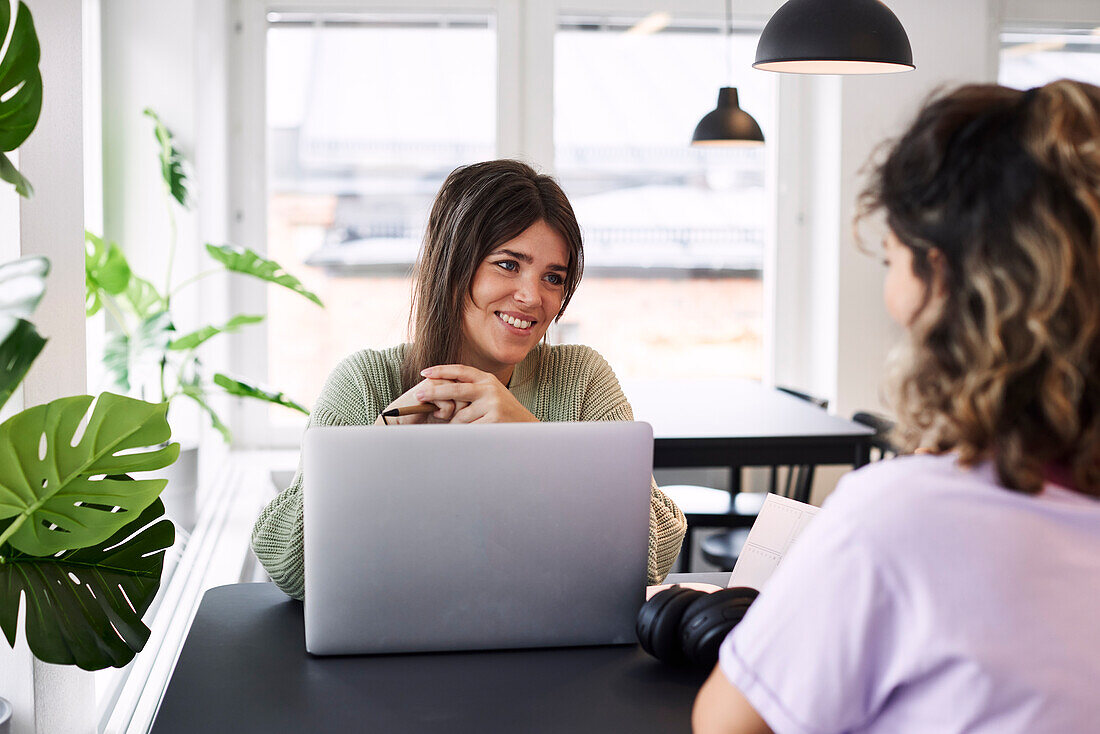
<point x="233" y="490"/>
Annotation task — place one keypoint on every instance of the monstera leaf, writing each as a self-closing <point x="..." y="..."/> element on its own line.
<point x="245" y="261"/>
<point x="245" y="390"/>
<point x="20" y="89"/>
<point x="84" y="606"/>
<point x="143" y="297"/>
<point x="19" y="346"/>
<point x="57" y="484"/>
<point x="124" y="353"/>
<point x="105" y="271"/>
<point x="171" y="161"/>
<point x="22" y="284"/>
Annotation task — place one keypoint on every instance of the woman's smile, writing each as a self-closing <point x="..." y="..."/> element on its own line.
<point x="516" y="322"/>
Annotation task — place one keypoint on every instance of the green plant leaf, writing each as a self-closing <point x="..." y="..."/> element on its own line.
<point x="84" y="607"/>
<point x="196" y="394"/>
<point x="245" y="261"/>
<point x="20" y="79"/>
<point x="20" y="88"/>
<point x="60" y="494"/>
<point x="245" y="390"/>
<point x="22" y="285"/>
<point x="171" y="161"/>
<point x="9" y="173"/>
<point x="116" y="360"/>
<point x="195" y="338"/>
<point x="20" y="344"/>
<point x="105" y="271"/>
<point x="123" y="354"/>
<point x="143" y="297"/>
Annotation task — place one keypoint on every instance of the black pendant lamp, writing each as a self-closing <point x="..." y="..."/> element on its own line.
<point x="834" y="37"/>
<point x="728" y="124"/>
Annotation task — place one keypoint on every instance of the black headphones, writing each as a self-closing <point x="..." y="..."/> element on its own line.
<point x="685" y="626"/>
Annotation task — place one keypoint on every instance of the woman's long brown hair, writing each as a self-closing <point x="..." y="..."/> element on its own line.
<point x="1006" y="185"/>
<point x="478" y="208"/>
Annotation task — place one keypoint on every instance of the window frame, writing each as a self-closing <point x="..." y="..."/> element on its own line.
<point x="525" y="31"/>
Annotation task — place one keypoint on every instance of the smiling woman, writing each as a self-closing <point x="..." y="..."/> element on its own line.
<point x="501" y="258"/>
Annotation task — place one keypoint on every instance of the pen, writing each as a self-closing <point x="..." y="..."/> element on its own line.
<point x="410" y="410"/>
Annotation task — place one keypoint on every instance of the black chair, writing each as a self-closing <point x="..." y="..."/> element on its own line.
<point x="722" y="549"/>
<point x="881" y="441"/>
<point x="706" y="507"/>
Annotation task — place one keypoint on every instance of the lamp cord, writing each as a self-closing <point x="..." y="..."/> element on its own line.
<point x="729" y="42"/>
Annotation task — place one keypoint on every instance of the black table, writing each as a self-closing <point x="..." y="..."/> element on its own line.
<point x="244" y="669"/>
<point x="736" y="423"/>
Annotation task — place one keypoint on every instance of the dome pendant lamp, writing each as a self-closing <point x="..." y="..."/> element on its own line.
<point x="728" y="124"/>
<point x="834" y="37"/>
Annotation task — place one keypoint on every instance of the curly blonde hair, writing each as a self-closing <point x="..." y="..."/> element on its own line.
<point x="1006" y="365"/>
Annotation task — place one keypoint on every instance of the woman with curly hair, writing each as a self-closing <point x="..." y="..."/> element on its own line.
<point x="958" y="589"/>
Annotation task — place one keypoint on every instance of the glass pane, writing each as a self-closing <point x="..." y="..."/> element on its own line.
<point x="1033" y="57"/>
<point x="366" y="115"/>
<point x="674" y="234"/>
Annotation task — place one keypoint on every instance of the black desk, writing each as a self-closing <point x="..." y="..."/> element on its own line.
<point x="244" y="669"/>
<point x="736" y="423"/>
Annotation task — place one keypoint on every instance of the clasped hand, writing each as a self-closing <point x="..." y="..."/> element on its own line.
<point x="462" y="394"/>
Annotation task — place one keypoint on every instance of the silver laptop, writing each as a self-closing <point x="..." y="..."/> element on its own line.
<point x="442" y="537"/>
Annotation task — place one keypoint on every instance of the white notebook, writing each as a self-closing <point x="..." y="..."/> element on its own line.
<point x="780" y="522"/>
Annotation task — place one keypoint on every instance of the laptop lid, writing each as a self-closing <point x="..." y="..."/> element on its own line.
<point x="463" y="537"/>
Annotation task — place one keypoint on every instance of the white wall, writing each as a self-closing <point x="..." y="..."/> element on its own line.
<point x="837" y="333"/>
<point x="949" y="53"/>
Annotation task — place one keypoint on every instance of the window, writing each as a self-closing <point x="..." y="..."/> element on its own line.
<point x="674" y="234"/>
<point x="349" y="121"/>
<point x="1032" y="57"/>
<point x="366" y="115"/>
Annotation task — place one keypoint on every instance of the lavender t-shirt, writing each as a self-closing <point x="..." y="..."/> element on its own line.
<point x="925" y="598"/>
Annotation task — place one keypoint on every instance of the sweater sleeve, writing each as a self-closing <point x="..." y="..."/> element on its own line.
<point x="347" y="399"/>
<point x="604" y="401"/>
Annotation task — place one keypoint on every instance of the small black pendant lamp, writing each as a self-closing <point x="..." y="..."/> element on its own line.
<point x="834" y="37"/>
<point x="728" y="124"/>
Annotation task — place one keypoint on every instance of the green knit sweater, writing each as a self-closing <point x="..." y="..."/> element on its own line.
<point x="556" y="383"/>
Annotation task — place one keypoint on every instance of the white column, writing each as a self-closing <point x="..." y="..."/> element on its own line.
<point x="212" y="155"/>
<point x="52" y="222"/>
<point x="51" y="699"/>
<point x="537" y="78"/>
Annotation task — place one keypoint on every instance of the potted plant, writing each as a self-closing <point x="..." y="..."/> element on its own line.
<point x="144" y="338"/>
<point x="81" y="541"/>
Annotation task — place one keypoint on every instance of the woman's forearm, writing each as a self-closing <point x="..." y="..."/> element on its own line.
<point x="721" y="709"/>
